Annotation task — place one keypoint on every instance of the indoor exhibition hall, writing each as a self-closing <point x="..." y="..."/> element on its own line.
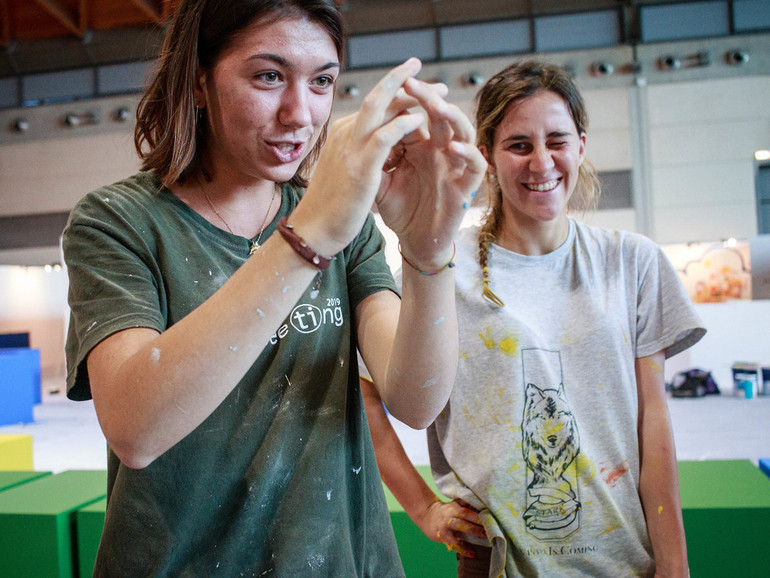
<point x="151" y="148"/>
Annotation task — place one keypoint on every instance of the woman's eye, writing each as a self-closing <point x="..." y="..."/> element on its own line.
<point x="324" y="81"/>
<point x="270" y="77"/>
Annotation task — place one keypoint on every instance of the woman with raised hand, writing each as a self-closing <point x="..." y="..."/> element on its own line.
<point x="218" y="299"/>
<point x="556" y="445"/>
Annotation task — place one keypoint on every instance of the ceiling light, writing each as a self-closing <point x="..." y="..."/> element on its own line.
<point x="20" y="125"/>
<point x="122" y="114"/>
<point x="737" y="57"/>
<point x="473" y="79"/>
<point x="602" y="68"/>
<point x="350" y="91"/>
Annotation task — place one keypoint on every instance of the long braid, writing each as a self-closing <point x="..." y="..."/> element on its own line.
<point x="487" y="235"/>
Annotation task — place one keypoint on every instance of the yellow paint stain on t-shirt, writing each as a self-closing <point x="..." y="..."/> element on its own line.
<point x="607" y="531"/>
<point x="623" y="331"/>
<point x="514" y="513"/>
<point x="660" y="509"/>
<point x="569" y="340"/>
<point x="488" y="341"/>
<point x="513" y="467"/>
<point x="509" y="346"/>
<point x="464" y="355"/>
<point x="586" y="469"/>
<point x="556" y="429"/>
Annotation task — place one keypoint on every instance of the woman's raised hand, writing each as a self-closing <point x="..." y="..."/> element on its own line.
<point x="430" y="179"/>
<point x="430" y="151"/>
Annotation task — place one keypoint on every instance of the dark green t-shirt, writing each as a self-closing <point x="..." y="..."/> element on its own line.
<point x="281" y="479"/>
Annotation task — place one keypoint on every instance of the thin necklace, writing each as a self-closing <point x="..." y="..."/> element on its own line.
<point x="254" y="244"/>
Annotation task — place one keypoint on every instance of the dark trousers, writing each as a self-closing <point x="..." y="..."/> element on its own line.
<point x="477" y="567"/>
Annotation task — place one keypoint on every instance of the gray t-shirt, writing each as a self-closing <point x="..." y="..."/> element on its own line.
<point x="281" y="479"/>
<point x="540" y="432"/>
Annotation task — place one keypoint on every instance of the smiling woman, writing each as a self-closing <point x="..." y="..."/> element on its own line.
<point x="564" y="330"/>
<point x="219" y="354"/>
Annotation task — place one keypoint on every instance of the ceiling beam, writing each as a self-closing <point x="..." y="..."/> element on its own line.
<point x="83" y="15"/>
<point x="60" y="12"/>
<point x="151" y="8"/>
<point x="5" y="23"/>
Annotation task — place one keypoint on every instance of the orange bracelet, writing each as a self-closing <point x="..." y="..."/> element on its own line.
<point x="449" y="265"/>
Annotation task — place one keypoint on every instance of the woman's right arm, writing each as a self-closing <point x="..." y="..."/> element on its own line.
<point x="151" y="390"/>
<point x="440" y="521"/>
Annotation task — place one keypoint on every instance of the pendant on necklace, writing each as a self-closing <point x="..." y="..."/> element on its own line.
<point x="254" y="247"/>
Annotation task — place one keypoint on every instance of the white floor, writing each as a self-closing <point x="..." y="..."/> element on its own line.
<point x="66" y="434"/>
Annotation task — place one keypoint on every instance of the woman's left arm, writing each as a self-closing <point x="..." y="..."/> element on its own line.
<point x="659" y="478"/>
<point x="412" y="356"/>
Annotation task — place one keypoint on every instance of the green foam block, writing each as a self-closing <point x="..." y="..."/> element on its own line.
<point x="726" y="511"/>
<point x="90" y="524"/>
<point x="37" y="523"/>
<point x="10" y="479"/>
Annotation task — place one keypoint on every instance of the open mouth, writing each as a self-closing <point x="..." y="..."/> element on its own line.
<point x="543" y="187"/>
<point x="288" y="152"/>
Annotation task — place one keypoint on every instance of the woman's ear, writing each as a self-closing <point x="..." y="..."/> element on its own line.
<point x="488" y="158"/>
<point x="582" y="147"/>
<point x="199" y="90"/>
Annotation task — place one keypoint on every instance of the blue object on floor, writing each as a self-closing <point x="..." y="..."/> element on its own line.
<point x="14" y="340"/>
<point x="19" y="384"/>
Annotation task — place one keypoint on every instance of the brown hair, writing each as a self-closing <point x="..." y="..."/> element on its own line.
<point x="512" y="84"/>
<point x="170" y="132"/>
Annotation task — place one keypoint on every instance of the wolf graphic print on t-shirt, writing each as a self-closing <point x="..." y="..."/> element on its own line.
<point x="550" y="446"/>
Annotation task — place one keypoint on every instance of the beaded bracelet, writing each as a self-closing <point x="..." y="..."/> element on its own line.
<point x="449" y="265"/>
<point x="298" y="244"/>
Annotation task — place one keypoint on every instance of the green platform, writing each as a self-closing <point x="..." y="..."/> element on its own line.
<point x="725" y="504"/>
<point x="90" y="523"/>
<point x="421" y="556"/>
<point x="37" y="521"/>
<point x="726" y="509"/>
<point x="11" y="479"/>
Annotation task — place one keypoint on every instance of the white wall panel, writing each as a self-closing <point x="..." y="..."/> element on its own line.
<point x="702" y="140"/>
<point x="710" y="101"/>
<point x="609" y="150"/>
<point x="716" y="183"/>
<point x="607" y="108"/>
<point x="622" y="219"/>
<point x="698" y="223"/>
<point x="52" y="175"/>
<point x="708" y="143"/>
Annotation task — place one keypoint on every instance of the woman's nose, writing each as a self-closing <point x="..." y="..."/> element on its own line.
<point x="541" y="160"/>
<point x="295" y="108"/>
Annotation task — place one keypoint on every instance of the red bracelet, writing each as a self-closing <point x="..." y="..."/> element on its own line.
<point x="298" y="244"/>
